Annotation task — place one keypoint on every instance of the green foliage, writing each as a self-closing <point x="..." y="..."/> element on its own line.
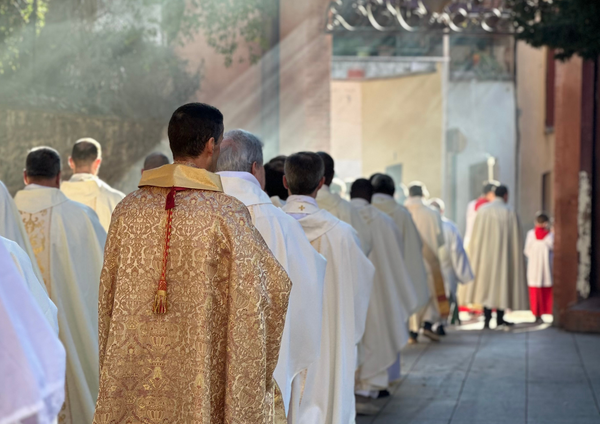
<point x="14" y="17"/>
<point x="119" y="61"/>
<point x="226" y="22"/>
<point x="568" y="26"/>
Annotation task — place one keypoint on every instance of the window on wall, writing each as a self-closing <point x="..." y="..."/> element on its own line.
<point x="548" y="193"/>
<point x="550" y="80"/>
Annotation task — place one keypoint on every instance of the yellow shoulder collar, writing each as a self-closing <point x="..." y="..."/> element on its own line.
<point x="177" y="175"/>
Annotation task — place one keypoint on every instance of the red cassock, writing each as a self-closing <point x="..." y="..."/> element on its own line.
<point x="540" y="298"/>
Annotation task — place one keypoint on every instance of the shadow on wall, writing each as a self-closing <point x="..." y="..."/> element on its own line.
<point x="123" y="142"/>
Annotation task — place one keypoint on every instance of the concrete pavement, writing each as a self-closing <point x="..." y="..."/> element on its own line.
<point x="531" y="375"/>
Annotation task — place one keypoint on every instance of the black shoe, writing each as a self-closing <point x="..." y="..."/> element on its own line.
<point x="383" y="394"/>
<point x="500" y="320"/>
<point x="487" y="313"/>
<point x="440" y="330"/>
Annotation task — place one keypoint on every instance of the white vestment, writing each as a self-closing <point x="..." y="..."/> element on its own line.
<point x="341" y="209"/>
<point x="539" y="255"/>
<point x="35" y="286"/>
<point x="329" y="387"/>
<point x="68" y="241"/>
<point x="32" y="358"/>
<point x="11" y="227"/>
<point x="301" y="340"/>
<point x="470" y="222"/>
<point x="429" y="225"/>
<point x="496" y="255"/>
<point x="277" y="201"/>
<point x="95" y="193"/>
<point x="455" y="262"/>
<point x="392" y="299"/>
<point x="412" y="248"/>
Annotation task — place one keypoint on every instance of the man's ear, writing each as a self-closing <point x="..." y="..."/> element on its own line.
<point x="285" y="183"/>
<point x="71" y="163"/>
<point x="321" y="183"/>
<point x="25" y="178"/>
<point x="210" y="146"/>
<point x="57" y="181"/>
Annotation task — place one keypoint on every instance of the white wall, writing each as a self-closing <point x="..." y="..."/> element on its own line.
<point x="485" y="113"/>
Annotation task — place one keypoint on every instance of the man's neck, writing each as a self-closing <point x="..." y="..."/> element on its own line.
<point x="42" y="183"/>
<point x="83" y="171"/>
<point x="199" y="162"/>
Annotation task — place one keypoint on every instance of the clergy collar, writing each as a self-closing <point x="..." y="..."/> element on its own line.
<point x="382" y="197"/>
<point x="181" y="176"/>
<point x="29" y="187"/>
<point x="242" y="175"/>
<point x="83" y="177"/>
<point x="244" y="187"/>
<point x="298" y="204"/>
<point x="360" y="202"/>
<point x="415" y="201"/>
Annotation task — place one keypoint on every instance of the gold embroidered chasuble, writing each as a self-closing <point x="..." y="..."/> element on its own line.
<point x="210" y="358"/>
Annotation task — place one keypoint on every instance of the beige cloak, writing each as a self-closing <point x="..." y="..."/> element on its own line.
<point x="496" y="255"/>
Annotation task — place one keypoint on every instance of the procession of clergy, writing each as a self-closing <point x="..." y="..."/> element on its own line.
<point x="200" y="298"/>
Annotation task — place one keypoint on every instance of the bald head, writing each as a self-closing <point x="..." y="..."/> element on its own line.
<point x="155" y="160"/>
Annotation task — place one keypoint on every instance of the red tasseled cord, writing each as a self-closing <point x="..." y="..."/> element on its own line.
<point x="160" y="300"/>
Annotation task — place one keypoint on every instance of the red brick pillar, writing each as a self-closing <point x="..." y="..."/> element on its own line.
<point x="566" y="185"/>
<point x="305" y="74"/>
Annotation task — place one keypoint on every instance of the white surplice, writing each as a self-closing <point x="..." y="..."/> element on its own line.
<point x="68" y="241"/>
<point x="539" y="255"/>
<point x="35" y="285"/>
<point x="412" y="247"/>
<point x="95" y="193"/>
<point x="11" y="227"/>
<point x="393" y="298"/>
<point x="329" y="387"/>
<point x="341" y="209"/>
<point x="470" y="221"/>
<point x="32" y="358"/>
<point x="496" y="255"/>
<point x="301" y="340"/>
<point x="455" y="262"/>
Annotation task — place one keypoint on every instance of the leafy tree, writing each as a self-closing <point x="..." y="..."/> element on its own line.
<point x="15" y="16"/>
<point x="225" y="22"/>
<point x="119" y="60"/>
<point x="568" y="26"/>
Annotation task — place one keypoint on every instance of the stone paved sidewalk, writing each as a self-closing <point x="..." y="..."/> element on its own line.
<point x="531" y="375"/>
